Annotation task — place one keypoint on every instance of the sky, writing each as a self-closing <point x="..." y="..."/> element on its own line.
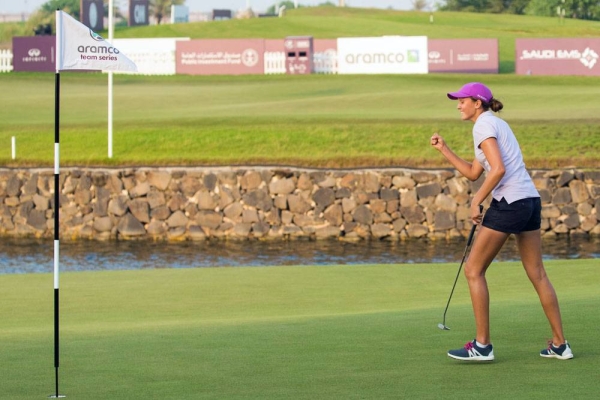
<point x="28" y="6"/>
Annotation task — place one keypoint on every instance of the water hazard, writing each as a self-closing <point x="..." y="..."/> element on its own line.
<point x="36" y="256"/>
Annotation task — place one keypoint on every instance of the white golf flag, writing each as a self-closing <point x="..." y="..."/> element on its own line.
<point x="78" y="47"/>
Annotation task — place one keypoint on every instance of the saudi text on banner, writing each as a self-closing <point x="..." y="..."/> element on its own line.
<point x="78" y="47"/>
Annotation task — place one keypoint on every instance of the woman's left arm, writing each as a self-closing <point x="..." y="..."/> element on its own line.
<point x="493" y="177"/>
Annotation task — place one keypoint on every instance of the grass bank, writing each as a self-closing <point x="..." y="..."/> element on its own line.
<point x="312" y="121"/>
<point x="334" y="332"/>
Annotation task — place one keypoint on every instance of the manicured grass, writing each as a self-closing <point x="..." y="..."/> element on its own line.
<point x="335" y="332"/>
<point x="312" y="121"/>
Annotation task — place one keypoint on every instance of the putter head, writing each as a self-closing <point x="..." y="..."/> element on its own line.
<point x="443" y="327"/>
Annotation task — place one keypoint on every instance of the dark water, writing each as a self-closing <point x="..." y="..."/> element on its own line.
<point x="28" y="255"/>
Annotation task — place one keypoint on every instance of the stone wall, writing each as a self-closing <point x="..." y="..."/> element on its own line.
<point x="271" y="203"/>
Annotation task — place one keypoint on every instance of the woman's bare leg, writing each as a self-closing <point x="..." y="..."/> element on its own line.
<point x="486" y="246"/>
<point x="530" y="248"/>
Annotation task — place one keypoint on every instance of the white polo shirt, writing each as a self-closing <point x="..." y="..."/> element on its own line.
<point x="516" y="184"/>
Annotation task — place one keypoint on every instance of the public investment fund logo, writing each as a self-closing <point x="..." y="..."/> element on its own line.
<point x="589" y="58"/>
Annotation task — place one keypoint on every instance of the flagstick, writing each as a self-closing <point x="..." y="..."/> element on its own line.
<point x="110" y="82"/>
<point x="56" y="230"/>
<point x="57" y="205"/>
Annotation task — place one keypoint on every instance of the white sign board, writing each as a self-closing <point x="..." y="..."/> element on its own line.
<point x="152" y="56"/>
<point x="179" y="14"/>
<point x="383" y="55"/>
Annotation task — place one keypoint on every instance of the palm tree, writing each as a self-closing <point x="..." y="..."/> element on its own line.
<point x="162" y="8"/>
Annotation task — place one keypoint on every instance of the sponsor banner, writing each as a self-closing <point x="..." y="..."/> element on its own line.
<point x="220" y="56"/>
<point x="383" y="55"/>
<point x="91" y="14"/>
<point x="272" y="45"/>
<point x="577" y="56"/>
<point x="34" y="53"/>
<point x="152" y="56"/>
<point x="325" y="46"/>
<point x="138" y="12"/>
<point x="319" y="45"/>
<point x="463" y="55"/>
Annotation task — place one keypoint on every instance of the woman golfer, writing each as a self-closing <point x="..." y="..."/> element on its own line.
<point x="515" y="209"/>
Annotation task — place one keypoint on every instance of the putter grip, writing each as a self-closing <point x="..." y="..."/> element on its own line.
<point x="470" y="239"/>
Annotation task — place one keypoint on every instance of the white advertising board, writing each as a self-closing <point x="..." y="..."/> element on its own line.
<point x="152" y="56"/>
<point x="383" y="55"/>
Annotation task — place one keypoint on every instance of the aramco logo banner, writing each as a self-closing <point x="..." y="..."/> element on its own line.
<point x="558" y="56"/>
<point x="383" y="55"/>
<point x="220" y="56"/>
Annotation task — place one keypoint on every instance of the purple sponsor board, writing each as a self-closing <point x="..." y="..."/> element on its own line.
<point x="91" y="14"/>
<point x="479" y="56"/>
<point x="34" y="53"/>
<point x="138" y="12"/>
<point x="558" y="56"/>
<point x="220" y="56"/>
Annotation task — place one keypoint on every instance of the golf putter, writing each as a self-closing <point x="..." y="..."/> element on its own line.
<point x="443" y="325"/>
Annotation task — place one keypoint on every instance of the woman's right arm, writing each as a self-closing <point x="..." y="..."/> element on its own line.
<point x="471" y="171"/>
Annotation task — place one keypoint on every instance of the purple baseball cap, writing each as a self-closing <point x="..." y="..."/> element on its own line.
<point x="473" y="89"/>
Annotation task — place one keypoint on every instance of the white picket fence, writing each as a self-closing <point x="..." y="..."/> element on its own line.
<point x="323" y="62"/>
<point x="6" y="64"/>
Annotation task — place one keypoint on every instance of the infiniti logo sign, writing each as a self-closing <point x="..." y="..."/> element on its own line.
<point x="34" y="55"/>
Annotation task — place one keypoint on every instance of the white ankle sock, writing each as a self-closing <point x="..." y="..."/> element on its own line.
<point x="481" y="345"/>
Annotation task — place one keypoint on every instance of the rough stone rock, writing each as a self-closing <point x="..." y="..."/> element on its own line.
<point x="414" y="214"/>
<point x="129" y="227"/>
<point x="564" y="178"/>
<point x="103" y="224"/>
<point x="117" y="206"/>
<point x="380" y="230"/>
<point x="208" y="219"/>
<point x="205" y="200"/>
<point x="140" y="209"/>
<point x="177" y="219"/>
<point x="562" y="196"/>
<point x="334" y="214"/>
<point x="37" y="220"/>
<point x="159" y="179"/>
<point x="160" y="213"/>
<point x="579" y="191"/>
<point x="141" y="189"/>
<point x="445" y="203"/>
<point x="429" y="190"/>
<point x="249" y="216"/>
<point x="210" y="181"/>
<point x="282" y="186"/>
<point x="155" y="198"/>
<point x="324" y="197"/>
<point x="363" y="215"/>
<point x="416" y="230"/>
<point x="297" y="204"/>
<point x="444" y="220"/>
<point x="251" y="180"/>
<point x="258" y="198"/>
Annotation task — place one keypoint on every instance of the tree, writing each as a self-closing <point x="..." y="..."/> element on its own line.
<point x="419" y="5"/>
<point x="72" y="7"/>
<point x="581" y="9"/>
<point x="289" y="5"/>
<point x="162" y="8"/>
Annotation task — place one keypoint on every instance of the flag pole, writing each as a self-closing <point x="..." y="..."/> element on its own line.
<point x="57" y="207"/>
<point x="110" y="82"/>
